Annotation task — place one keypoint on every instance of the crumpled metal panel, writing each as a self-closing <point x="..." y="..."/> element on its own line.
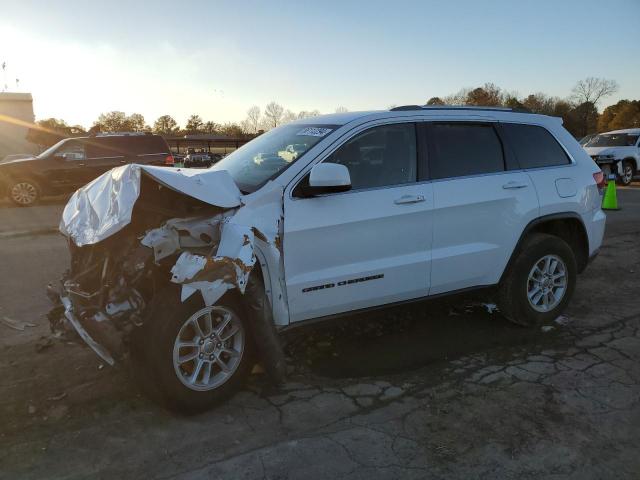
<point x="214" y="275"/>
<point x="104" y="206"/>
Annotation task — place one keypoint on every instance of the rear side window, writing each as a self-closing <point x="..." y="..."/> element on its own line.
<point x="534" y="146"/>
<point x="148" y="144"/>
<point x="459" y="149"/>
<point x="126" y="145"/>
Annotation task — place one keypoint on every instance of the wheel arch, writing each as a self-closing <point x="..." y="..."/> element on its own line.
<point x="566" y="225"/>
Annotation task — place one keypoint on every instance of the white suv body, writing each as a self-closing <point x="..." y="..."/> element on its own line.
<point x="460" y="233"/>
<point x="383" y="207"/>
<point x="617" y="152"/>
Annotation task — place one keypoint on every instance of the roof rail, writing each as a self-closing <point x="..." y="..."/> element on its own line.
<point x="121" y="134"/>
<point x="458" y="107"/>
<point x="402" y="108"/>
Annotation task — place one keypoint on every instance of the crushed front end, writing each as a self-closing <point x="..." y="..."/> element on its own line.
<point x="135" y="231"/>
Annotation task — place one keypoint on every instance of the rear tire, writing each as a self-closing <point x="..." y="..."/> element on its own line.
<point x="540" y="281"/>
<point x="24" y="192"/>
<point x="199" y="383"/>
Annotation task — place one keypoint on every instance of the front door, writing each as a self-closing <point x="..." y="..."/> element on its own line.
<point x="366" y="247"/>
<point x="71" y="171"/>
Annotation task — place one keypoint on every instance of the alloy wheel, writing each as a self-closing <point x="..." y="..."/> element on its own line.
<point x="547" y="283"/>
<point x="208" y="348"/>
<point x="23" y="193"/>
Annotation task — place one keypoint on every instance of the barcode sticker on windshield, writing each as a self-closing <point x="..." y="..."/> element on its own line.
<point x="314" y="131"/>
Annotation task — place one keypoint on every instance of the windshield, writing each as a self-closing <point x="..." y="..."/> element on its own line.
<point x="265" y="157"/>
<point x="52" y="149"/>
<point x="613" y="140"/>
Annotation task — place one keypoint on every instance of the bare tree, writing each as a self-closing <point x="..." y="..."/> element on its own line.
<point x="341" y="109"/>
<point x="288" y="116"/>
<point x="308" y="114"/>
<point x="252" y="122"/>
<point x="592" y="89"/>
<point x="458" y="98"/>
<point x="273" y="113"/>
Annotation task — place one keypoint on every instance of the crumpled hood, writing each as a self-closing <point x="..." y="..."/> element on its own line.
<point x="615" y="151"/>
<point x="104" y="206"/>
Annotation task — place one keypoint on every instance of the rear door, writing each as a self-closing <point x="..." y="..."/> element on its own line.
<point x="103" y="154"/>
<point x="481" y="204"/>
<point x="149" y="150"/>
<point x="368" y="246"/>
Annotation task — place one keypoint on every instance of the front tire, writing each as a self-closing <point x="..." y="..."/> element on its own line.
<point x="540" y="282"/>
<point x="24" y="192"/>
<point x="628" y="172"/>
<point x="198" y="355"/>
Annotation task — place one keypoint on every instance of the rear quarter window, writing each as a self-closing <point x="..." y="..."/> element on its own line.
<point x="534" y="146"/>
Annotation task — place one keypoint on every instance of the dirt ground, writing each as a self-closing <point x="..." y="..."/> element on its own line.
<point x="436" y="390"/>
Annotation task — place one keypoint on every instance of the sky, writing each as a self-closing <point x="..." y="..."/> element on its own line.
<point x="218" y="58"/>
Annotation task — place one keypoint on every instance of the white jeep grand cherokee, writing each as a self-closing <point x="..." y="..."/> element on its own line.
<point x="193" y="273"/>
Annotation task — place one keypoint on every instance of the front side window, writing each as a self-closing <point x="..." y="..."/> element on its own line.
<point x="265" y="157"/>
<point x="534" y="146"/>
<point x="460" y="149"/>
<point x="380" y="156"/>
<point x="71" y="151"/>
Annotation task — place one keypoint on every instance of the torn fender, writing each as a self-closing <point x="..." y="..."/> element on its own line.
<point x="104" y="206"/>
<point x="214" y="275"/>
<point x="226" y="261"/>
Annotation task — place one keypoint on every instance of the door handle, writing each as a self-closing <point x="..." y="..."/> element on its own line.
<point x="123" y="161"/>
<point x="409" y="199"/>
<point x="513" y="185"/>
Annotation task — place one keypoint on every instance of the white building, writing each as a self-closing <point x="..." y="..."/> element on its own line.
<point x="16" y="116"/>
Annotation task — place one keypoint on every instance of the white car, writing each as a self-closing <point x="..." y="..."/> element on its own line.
<point x="617" y="152"/>
<point x="382" y="208"/>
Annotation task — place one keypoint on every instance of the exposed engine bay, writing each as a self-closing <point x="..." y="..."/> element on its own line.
<point x="132" y="233"/>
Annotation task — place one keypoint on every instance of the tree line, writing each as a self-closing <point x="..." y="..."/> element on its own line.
<point x="579" y="112"/>
<point x="256" y="121"/>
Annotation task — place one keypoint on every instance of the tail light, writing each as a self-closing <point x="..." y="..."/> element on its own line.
<point x="170" y="160"/>
<point x="599" y="178"/>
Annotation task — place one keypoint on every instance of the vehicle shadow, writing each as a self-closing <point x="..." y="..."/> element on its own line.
<point x="405" y="338"/>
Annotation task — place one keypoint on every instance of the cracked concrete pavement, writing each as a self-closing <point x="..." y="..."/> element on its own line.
<point x="437" y="390"/>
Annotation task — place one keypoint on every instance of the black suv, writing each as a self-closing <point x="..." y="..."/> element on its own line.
<point x="74" y="162"/>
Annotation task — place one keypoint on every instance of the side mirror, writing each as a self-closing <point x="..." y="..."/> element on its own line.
<point x="327" y="178"/>
<point x="60" y="156"/>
